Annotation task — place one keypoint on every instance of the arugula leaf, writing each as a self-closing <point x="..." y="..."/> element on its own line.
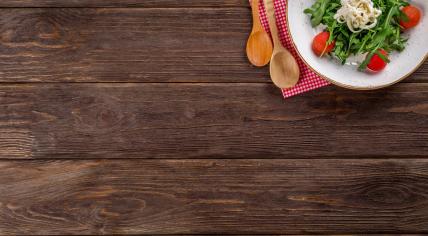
<point x="317" y="11"/>
<point x="387" y="34"/>
<point x="366" y="62"/>
<point x="383" y="57"/>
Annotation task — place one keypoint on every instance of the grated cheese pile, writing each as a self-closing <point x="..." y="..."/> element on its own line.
<point x="358" y="14"/>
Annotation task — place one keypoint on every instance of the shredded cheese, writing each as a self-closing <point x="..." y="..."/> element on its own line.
<point x="358" y="14"/>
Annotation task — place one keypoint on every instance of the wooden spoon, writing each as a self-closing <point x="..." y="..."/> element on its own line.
<point x="259" y="44"/>
<point x="284" y="70"/>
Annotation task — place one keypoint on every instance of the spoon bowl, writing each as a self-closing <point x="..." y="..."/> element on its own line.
<point x="259" y="48"/>
<point x="284" y="70"/>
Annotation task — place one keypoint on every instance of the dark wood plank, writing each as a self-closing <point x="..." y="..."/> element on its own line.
<point x="214" y="196"/>
<point x="420" y="76"/>
<point x="210" y="121"/>
<point x="120" y="45"/>
<point x="129" y="45"/>
<point x="124" y="3"/>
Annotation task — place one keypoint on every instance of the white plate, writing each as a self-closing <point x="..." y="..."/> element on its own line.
<point x="401" y="66"/>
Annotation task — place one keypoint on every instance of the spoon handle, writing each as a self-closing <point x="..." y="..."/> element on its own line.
<point x="270" y="12"/>
<point x="256" y="16"/>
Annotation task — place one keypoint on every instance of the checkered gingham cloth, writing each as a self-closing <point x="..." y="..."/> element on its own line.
<point x="309" y="80"/>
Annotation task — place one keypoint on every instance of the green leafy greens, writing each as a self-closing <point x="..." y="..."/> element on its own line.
<point x="386" y="35"/>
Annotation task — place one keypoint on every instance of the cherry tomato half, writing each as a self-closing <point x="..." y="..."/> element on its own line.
<point x="376" y="64"/>
<point x="319" y="45"/>
<point x="414" y="16"/>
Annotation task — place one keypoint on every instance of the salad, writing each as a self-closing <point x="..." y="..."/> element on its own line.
<point x="372" y="28"/>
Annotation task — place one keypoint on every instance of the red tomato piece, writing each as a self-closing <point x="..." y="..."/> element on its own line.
<point x="319" y="45"/>
<point x="376" y="63"/>
<point x="414" y="16"/>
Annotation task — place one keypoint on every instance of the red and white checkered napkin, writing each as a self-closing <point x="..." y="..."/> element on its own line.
<point x="309" y="80"/>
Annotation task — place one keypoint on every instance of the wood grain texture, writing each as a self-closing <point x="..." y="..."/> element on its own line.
<point x="213" y="196"/>
<point x="129" y="45"/>
<point x="222" y="153"/>
<point x="124" y="3"/>
<point x="126" y="45"/>
<point x="210" y="121"/>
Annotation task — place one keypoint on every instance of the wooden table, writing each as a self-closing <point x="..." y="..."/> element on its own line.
<point x="144" y="117"/>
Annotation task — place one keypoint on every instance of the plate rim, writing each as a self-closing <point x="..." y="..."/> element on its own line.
<point x="341" y="84"/>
